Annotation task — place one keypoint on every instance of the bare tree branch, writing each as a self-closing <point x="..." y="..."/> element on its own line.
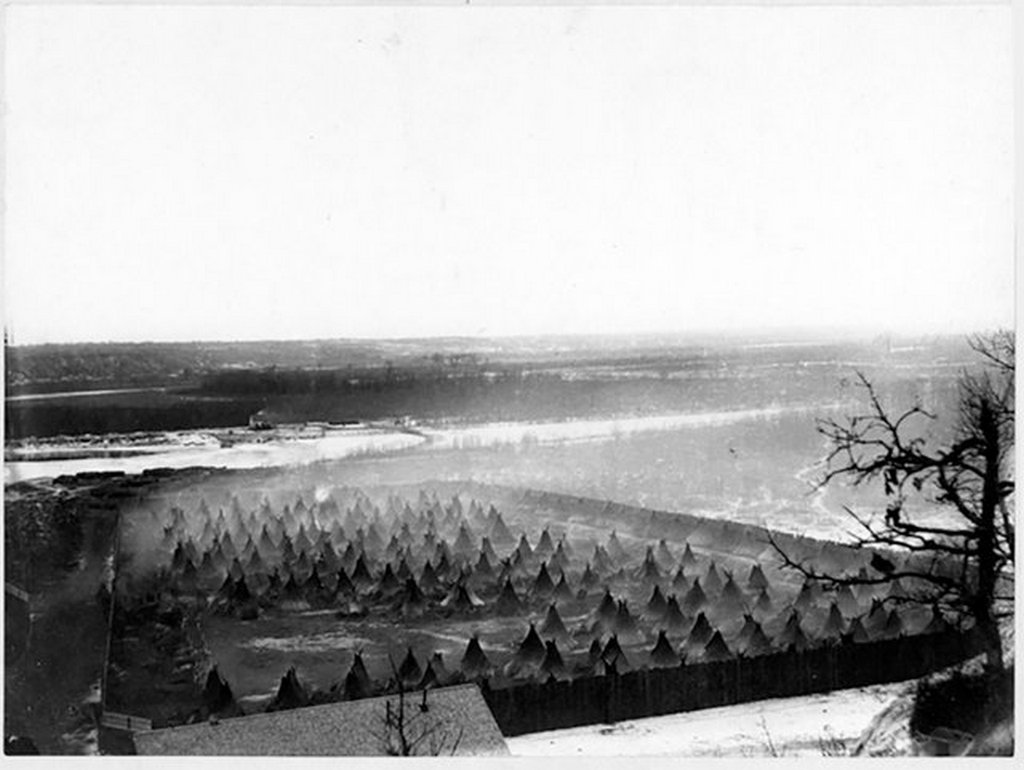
<point x="970" y="476"/>
<point x="404" y="733"/>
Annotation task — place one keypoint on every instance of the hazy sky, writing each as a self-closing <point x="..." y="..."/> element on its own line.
<point x="257" y="172"/>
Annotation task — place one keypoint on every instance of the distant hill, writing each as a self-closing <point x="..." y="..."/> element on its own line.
<point x="93" y="366"/>
<point x="49" y="368"/>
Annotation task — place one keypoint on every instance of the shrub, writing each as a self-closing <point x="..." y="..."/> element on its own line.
<point x="971" y="702"/>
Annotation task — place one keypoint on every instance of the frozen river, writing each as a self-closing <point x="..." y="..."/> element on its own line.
<point x="185" y="449"/>
<point x="497" y="434"/>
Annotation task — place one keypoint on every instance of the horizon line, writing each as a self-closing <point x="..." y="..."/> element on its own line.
<point x="803" y="333"/>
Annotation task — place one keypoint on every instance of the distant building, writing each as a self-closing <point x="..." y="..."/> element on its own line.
<point x="260" y="421"/>
<point x="346" y="729"/>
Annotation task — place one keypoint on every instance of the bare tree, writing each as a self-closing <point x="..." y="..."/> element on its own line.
<point x="411" y="729"/>
<point x="963" y="564"/>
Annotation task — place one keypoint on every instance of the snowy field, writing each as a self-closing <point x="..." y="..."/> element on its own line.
<point x="807" y="726"/>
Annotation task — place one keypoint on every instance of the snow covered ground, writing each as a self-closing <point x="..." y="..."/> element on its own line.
<point x="252" y="454"/>
<point x="807" y="726"/>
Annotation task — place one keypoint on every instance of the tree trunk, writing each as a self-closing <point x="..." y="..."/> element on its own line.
<point x="985" y="597"/>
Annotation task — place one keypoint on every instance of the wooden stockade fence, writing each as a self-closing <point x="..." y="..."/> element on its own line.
<point x="116" y="721"/>
<point x="555" y="705"/>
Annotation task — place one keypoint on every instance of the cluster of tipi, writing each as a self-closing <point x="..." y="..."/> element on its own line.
<point x="599" y="607"/>
<point x="551" y="652"/>
<point x="706" y="626"/>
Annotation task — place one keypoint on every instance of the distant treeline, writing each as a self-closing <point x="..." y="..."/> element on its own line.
<point x="228" y="398"/>
<point x="304" y="382"/>
<point x="79" y="417"/>
<point x="49" y="368"/>
<point x="508" y="393"/>
<point x="62" y="367"/>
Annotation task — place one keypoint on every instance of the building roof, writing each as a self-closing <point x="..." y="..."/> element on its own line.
<point x="349" y="728"/>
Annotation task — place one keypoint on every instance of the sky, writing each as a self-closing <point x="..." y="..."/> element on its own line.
<point x="180" y="173"/>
